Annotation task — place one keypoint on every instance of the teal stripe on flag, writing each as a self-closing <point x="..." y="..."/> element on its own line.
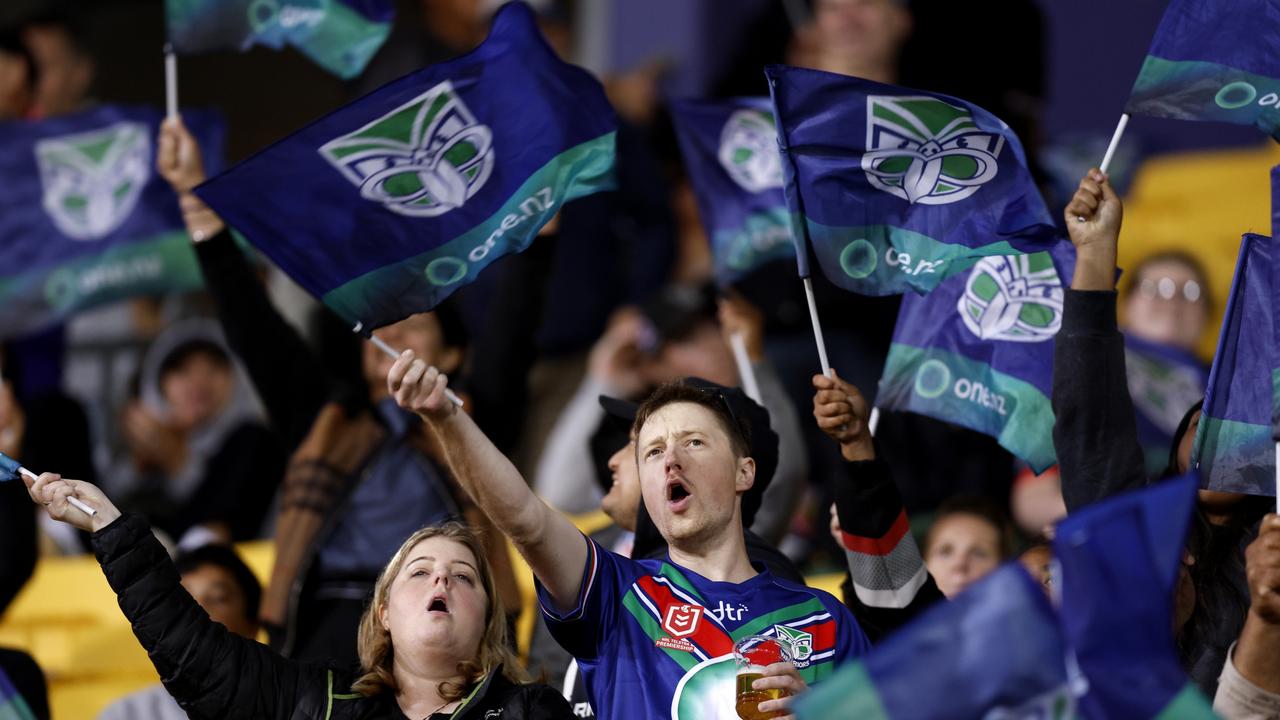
<point x="1197" y="90"/>
<point x="849" y="693"/>
<point x="1234" y="456"/>
<point x="576" y="172"/>
<point x="1189" y="704"/>
<point x="344" y="41"/>
<point x="164" y="263"/>
<point x="968" y="392"/>
<point x="890" y="259"/>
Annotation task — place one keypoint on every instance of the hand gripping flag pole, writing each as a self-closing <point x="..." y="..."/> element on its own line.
<point x="393" y="354"/>
<point x="14" y="468"/>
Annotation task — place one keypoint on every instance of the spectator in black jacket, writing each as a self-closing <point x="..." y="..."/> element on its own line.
<point x="433" y="643"/>
<point x="1096" y="438"/>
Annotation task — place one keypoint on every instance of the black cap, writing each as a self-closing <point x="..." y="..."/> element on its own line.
<point x="762" y="443"/>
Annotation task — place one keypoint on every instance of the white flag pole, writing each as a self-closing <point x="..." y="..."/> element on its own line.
<point x="391" y="353"/>
<point x="817" y="327"/>
<point x="746" y="373"/>
<point x="1278" y="477"/>
<point x="170" y="82"/>
<point x="1115" y="142"/>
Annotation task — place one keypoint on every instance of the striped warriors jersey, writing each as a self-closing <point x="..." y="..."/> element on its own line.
<point x="654" y="640"/>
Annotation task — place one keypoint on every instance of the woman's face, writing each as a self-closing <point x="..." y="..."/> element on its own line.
<point x="437" y="601"/>
<point x="1167" y="305"/>
<point x="197" y="389"/>
<point x="961" y="549"/>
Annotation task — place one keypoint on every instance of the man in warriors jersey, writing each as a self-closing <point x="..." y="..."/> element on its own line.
<point x="654" y="638"/>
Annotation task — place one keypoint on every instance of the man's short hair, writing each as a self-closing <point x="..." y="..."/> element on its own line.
<point x="736" y="428"/>
<point x="224" y="557"/>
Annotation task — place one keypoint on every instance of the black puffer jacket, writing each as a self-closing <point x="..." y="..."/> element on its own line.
<point x="214" y="673"/>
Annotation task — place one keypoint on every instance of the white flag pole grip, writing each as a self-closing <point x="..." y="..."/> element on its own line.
<point x="1115" y="142"/>
<point x="71" y="499"/>
<point x="391" y="353"/>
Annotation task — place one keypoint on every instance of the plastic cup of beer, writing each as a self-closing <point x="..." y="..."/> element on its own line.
<point x="753" y="654"/>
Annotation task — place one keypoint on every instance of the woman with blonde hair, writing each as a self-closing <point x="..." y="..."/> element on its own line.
<point x="433" y="642"/>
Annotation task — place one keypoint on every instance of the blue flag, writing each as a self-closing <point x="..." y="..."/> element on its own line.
<point x="1275" y="318"/>
<point x="999" y="650"/>
<point x="994" y="650"/>
<point x="978" y="351"/>
<point x="1214" y="60"/>
<point x="12" y="704"/>
<point x="386" y="206"/>
<point x="1164" y="383"/>
<point x="895" y="188"/>
<point x="1233" y="447"/>
<point x="1120" y="562"/>
<point x="731" y="151"/>
<point x="85" y="219"/>
<point x="9" y="468"/>
<point x="341" y="36"/>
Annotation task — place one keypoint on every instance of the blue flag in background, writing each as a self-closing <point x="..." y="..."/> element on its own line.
<point x="999" y="649"/>
<point x="1120" y="562"/>
<point x="978" y="351"/>
<point x="1214" y="60"/>
<point x="341" y="36"/>
<point x="895" y="188"/>
<point x="387" y="205"/>
<point x="12" y="704"/>
<point x="1275" y="318"/>
<point x="730" y="149"/>
<point x="85" y="219"/>
<point x="1164" y="382"/>
<point x="1233" y="446"/>
<point x="994" y="648"/>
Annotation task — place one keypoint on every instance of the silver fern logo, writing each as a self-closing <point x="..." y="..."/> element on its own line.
<point x="423" y="159"/>
<point x="927" y="151"/>
<point x="1015" y="298"/>
<point x="92" y="180"/>
<point x="749" y="151"/>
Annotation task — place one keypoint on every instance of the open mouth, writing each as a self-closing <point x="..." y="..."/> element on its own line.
<point x="677" y="495"/>
<point x="438" y="604"/>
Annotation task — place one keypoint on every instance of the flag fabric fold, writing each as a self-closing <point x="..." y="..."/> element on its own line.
<point x="340" y="36"/>
<point x="1214" y="60"/>
<point x="1120" y="562"/>
<point x="386" y="206"/>
<point x="1233" y="445"/>
<point x="730" y="149"/>
<point x="895" y="189"/>
<point x="978" y="351"/>
<point x="1000" y="649"/>
<point x="85" y="219"/>
<point x="1164" y="382"/>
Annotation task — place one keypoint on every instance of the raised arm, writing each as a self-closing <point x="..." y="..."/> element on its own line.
<point x="209" y="670"/>
<point x="287" y="375"/>
<point x="1095" y="434"/>
<point x="888" y="582"/>
<point x="1250" y="682"/>
<point x="552" y="546"/>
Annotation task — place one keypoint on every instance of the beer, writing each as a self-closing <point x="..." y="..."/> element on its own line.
<point x="749" y="699"/>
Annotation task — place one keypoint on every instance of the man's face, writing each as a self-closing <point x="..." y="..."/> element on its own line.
<point x="690" y="476"/>
<point x="215" y="589"/>
<point x="419" y="333"/>
<point x="197" y="389"/>
<point x="622" y="502"/>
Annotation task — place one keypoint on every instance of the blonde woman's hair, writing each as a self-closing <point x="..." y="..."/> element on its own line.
<point x="377" y="657"/>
